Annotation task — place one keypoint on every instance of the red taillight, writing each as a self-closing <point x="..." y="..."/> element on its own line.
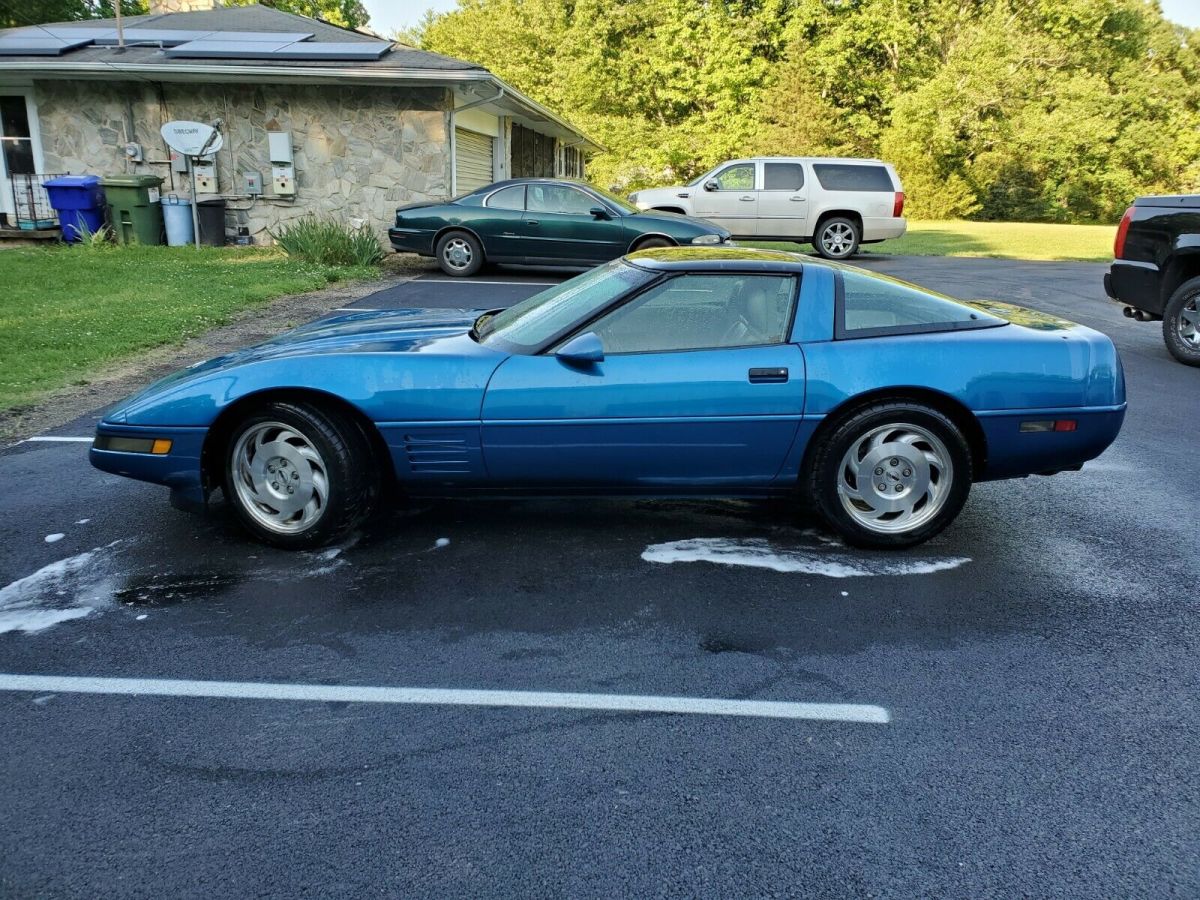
<point x="898" y="206"/>
<point x="1122" y="231"/>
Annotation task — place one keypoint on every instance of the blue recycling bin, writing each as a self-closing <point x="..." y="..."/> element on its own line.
<point x="79" y="202"/>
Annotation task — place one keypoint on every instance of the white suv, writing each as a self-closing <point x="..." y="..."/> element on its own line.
<point x="836" y="204"/>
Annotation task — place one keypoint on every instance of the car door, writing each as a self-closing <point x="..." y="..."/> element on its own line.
<point x="502" y="225"/>
<point x="730" y="199"/>
<point x="560" y="228"/>
<point x="698" y="388"/>
<point x="783" y="201"/>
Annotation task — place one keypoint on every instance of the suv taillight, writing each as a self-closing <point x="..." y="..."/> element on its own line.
<point x="1122" y="231"/>
<point x="898" y="206"/>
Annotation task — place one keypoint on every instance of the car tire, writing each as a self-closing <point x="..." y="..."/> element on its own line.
<point x="653" y="243"/>
<point x="837" y="238"/>
<point x="1181" y="323"/>
<point x="317" y="483"/>
<point x="460" y="254"/>
<point x="920" y="458"/>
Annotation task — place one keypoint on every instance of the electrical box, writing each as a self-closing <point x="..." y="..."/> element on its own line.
<point x="133" y="152"/>
<point x="178" y="162"/>
<point x="252" y="183"/>
<point x="284" y="178"/>
<point x="279" y="145"/>
<point x="205" y="174"/>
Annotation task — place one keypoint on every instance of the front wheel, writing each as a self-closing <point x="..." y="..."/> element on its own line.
<point x="460" y="254"/>
<point x="299" y="477"/>
<point x="891" y="475"/>
<point x="1181" y="323"/>
<point x="837" y="238"/>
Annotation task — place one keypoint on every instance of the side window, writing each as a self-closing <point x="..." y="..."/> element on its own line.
<point x="557" y="198"/>
<point x="508" y="198"/>
<point x="783" y="176"/>
<point x="850" y="177"/>
<point x="870" y="302"/>
<point x="736" y="178"/>
<point x="699" y="312"/>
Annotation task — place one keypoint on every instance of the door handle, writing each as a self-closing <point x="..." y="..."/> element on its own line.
<point x="745" y="198"/>
<point x="532" y="222"/>
<point x="797" y="199"/>
<point x="769" y="376"/>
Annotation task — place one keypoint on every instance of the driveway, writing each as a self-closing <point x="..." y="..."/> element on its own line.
<point x="1018" y="695"/>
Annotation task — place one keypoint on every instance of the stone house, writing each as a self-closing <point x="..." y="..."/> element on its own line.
<point x="368" y="124"/>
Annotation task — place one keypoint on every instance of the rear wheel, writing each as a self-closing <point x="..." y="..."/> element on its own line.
<point x="891" y="475"/>
<point x="1181" y="323"/>
<point x="460" y="254"/>
<point x="837" y="238"/>
<point x="298" y="476"/>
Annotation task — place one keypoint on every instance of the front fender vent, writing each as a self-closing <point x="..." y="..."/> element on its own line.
<point x="448" y="455"/>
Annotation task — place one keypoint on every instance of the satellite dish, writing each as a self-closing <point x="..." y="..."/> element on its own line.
<point x="192" y="138"/>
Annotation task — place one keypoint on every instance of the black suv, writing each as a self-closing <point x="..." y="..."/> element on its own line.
<point x="1156" y="269"/>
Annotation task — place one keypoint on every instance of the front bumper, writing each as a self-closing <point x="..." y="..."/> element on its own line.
<point x="180" y="469"/>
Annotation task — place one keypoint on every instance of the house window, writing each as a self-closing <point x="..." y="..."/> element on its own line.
<point x="16" y="137"/>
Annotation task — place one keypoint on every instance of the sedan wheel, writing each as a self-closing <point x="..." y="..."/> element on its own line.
<point x="1181" y="323"/>
<point x="459" y="254"/>
<point x="837" y="239"/>
<point x="299" y="476"/>
<point x="890" y="475"/>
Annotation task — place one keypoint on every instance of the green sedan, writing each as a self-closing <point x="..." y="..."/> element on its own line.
<point x="539" y="222"/>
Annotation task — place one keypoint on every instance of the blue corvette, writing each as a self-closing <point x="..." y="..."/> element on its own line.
<point x="669" y="372"/>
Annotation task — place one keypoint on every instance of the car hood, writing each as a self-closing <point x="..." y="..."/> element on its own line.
<point x="389" y="331"/>
<point x="702" y="226"/>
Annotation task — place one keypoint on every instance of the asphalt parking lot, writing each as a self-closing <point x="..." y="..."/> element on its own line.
<point x="1020" y="693"/>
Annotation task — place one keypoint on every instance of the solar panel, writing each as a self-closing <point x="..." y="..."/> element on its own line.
<point x="63" y="32"/>
<point x="226" y="49"/>
<point x="333" y="50"/>
<point x="44" y="46"/>
<point x="259" y="36"/>
<point x="279" y="49"/>
<point x="168" y="37"/>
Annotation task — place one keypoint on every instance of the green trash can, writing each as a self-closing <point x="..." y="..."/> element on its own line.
<point x="134" y="208"/>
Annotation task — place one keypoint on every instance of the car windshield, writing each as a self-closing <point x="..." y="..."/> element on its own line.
<point x="622" y="205"/>
<point x="543" y="317"/>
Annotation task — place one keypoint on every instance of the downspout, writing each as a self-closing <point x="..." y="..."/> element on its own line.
<point x="454" y="144"/>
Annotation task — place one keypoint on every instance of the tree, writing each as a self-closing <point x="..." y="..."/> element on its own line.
<point x="344" y="13"/>
<point x="37" y="12"/>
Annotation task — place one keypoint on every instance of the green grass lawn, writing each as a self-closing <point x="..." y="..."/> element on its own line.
<point x="66" y="311"/>
<point x="1004" y="240"/>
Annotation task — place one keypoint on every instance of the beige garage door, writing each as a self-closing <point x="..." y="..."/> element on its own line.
<point x="473" y="160"/>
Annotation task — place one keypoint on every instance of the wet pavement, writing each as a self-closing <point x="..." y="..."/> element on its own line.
<point x="1037" y="663"/>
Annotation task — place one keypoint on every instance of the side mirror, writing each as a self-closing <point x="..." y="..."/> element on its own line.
<point x="711" y="186"/>
<point x="582" y="350"/>
<point x="599" y="212"/>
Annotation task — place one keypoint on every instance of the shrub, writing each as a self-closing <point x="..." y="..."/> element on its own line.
<point x="329" y="243"/>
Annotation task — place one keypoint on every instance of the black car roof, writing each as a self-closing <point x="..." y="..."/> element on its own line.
<point x="718" y="259"/>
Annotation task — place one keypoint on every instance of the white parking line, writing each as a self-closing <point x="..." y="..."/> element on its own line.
<point x="466" y="281"/>
<point x="249" y="690"/>
<point x="57" y="439"/>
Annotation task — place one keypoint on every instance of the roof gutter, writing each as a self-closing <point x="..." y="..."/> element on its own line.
<point x="430" y="77"/>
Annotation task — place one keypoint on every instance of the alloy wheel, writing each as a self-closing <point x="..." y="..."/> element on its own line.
<point x="837" y="239"/>
<point x="280" y="477"/>
<point x="457" y="253"/>
<point x="895" y="477"/>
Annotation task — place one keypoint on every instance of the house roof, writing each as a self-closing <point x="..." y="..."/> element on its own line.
<point x="400" y="65"/>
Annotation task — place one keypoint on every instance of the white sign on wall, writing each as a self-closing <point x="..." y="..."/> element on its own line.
<point x="192" y="138"/>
